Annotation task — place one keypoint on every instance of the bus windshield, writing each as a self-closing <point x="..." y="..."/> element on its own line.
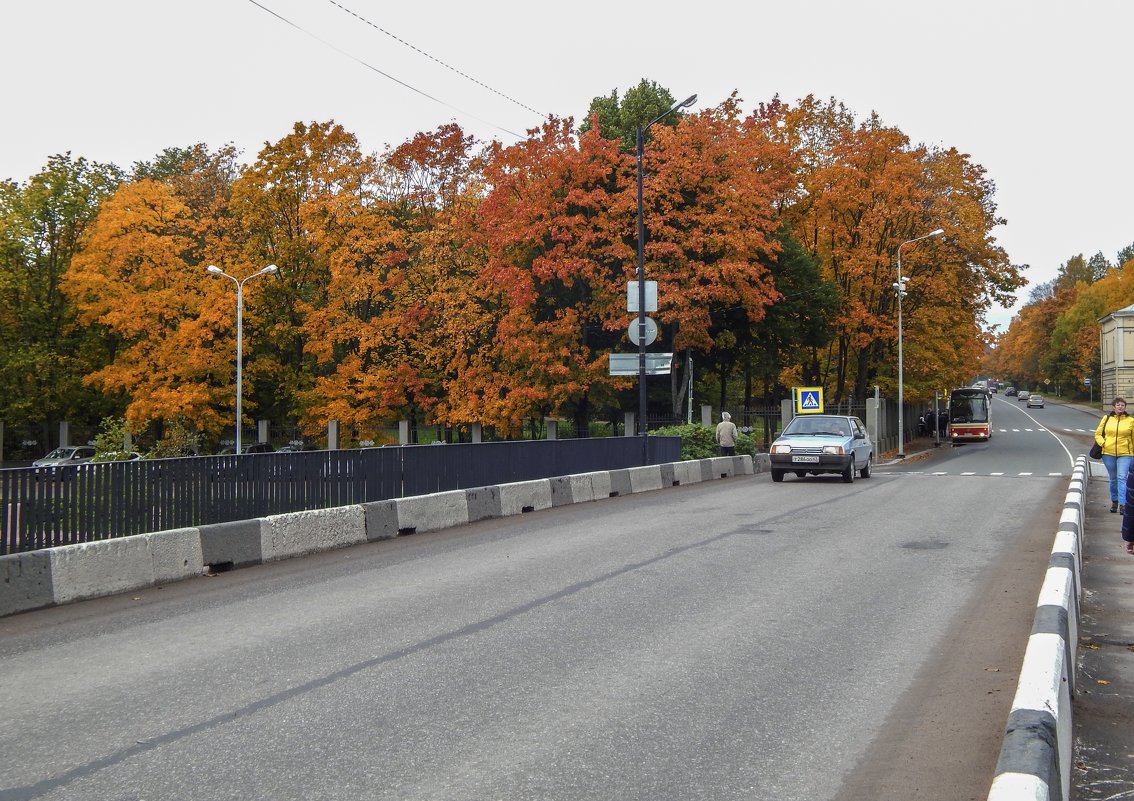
<point x="968" y="407"/>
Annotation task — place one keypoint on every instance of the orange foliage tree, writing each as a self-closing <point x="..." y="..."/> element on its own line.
<point x="140" y="276"/>
<point x="863" y="191"/>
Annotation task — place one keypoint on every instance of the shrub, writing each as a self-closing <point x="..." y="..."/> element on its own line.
<point x="699" y="442"/>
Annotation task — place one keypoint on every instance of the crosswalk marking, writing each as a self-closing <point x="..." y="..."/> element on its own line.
<point x="971" y="473"/>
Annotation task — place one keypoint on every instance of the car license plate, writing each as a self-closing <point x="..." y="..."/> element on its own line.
<point x="805" y="459"/>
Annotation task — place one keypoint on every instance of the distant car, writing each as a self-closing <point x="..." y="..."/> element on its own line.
<point x="1010" y="391"/>
<point x="1035" y="401"/>
<point x="1022" y="395"/>
<point x="255" y="447"/>
<point x="822" y="443"/>
<point x="120" y="456"/>
<point x="66" y="456"/>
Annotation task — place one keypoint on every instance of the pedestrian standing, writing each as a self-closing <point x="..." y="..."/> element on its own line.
<point x="1115" y="435"/>
<point x="726" y="435"/>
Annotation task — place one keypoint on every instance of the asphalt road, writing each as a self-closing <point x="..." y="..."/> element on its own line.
<point x="732" y="640"/>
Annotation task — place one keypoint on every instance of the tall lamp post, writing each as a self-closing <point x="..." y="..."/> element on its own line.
<point x="212" y="268"/>
<point x="900" y="286"/>
<point x="640" y="150"/>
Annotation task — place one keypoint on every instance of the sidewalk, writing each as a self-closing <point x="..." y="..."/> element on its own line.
<point x="1103" y="711"/>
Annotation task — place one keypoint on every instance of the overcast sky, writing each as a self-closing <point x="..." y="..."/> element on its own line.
<point x="1036" y="91"/>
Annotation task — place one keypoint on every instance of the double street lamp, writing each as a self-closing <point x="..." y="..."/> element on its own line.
<point x="900" y="286"/>
<point x="212" y="268"/>
<point x="640" y="150"/>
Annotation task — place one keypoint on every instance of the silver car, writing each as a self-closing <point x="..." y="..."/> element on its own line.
<point x="66" y="456"/>
<point x="822" y="443"/>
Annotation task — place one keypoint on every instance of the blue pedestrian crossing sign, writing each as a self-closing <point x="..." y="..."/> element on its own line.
<point x="809" y="400"/>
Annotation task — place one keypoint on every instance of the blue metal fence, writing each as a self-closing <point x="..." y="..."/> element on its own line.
<point x="44" y="508"/>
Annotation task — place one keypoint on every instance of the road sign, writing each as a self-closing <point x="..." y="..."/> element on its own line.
<point x="627" y="363"/>
<point x="1086" y="382"/>
<point x="651" y="330"/>
<point x="809" y="400"/>
<point x="632" y="296"/>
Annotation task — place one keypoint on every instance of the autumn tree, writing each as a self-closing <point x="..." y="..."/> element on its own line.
<point x="389" y="337"/>
<point x="864" y="189"/>
<point x="282" y="204"/>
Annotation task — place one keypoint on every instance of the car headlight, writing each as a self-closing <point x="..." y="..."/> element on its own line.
<point x="836" y="450"/>
<point x="781" y="449"/>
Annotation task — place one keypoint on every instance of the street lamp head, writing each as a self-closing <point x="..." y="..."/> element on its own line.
<point x="938" y="232"/>
<point x="212" y="268"/>
<point x="687" y="102"/>
<point x="271" y="268"/>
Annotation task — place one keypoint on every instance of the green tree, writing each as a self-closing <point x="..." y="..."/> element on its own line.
<point x="619" y="118"/>
<point x="44" y="353"/>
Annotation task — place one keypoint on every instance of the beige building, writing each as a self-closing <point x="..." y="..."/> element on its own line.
<point x="1116" y="354"/>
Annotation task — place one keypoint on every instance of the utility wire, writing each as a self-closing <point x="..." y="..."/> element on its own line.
<point x="369" y="66"/>
<point x="449" y="67"/>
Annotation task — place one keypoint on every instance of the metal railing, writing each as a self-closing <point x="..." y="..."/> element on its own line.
<point x="42" y="508"/>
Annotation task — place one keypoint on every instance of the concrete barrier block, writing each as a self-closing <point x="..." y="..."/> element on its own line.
<point x="646" y="478"/>
<point x="25" y="582"/>
<point x="744" y="465"/>
<point x="762" y="463"/>
<point x="723" y="467"/>
<point x="175" y="554"/>
<point x="95" y="569"/>
<point x="431" y="512"/>
<point x="312" y="531"/>
<point x="525" y="496"/>
<point x="483" y="503"/>
<point x="620" y="482"/>
<point x="562" y="491"/>
<point x="687" y="472"/>
<point x="601" y="484"/>
<point x="668" y="477"/>
<point x="381" y="520"/>
<point x="236" y="544"/>
<point x="707" y="473"/>
<point x="587" y="487"/>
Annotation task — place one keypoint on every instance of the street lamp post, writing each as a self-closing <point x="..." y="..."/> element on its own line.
<point x="640" y="150"/>
<point x="900" y="286"/>
<point x="212" y="268"/>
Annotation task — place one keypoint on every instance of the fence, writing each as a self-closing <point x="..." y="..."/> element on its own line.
<point x="43" y="508"/>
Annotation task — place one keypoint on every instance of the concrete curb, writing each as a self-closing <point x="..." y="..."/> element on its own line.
<point x="54" y="576"/>
<point x="1035" y="758"/>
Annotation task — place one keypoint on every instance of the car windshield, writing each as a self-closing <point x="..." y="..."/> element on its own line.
<point x="817" y="427"/>
<point x="59" y="453"/>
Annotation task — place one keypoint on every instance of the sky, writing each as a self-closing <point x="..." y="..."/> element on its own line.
<point x="1038" y="92"/>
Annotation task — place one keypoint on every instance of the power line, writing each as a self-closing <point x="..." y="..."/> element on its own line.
<point x="384" y="74"/>
<point x="449" y="67"/>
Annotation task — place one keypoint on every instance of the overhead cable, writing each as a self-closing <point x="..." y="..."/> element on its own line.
<point x="449" y="67"/>
<point x="384" y="74"/>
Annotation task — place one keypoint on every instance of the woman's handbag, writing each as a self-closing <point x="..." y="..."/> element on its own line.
<point x="1096" y="450"/>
